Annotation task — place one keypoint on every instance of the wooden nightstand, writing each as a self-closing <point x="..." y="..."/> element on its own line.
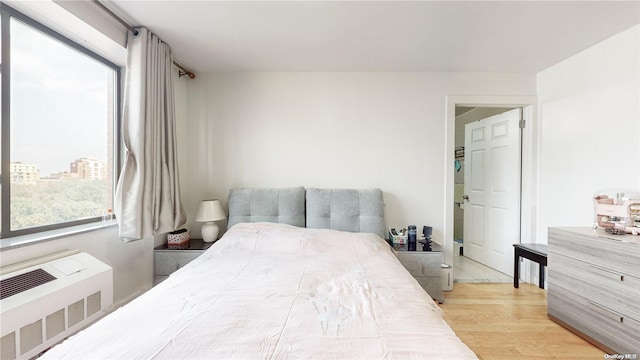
<point x="167" y="261"/>
<point x="425" y="267"/>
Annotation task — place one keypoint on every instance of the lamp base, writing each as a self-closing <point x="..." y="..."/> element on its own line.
<point x="209" y="232"/>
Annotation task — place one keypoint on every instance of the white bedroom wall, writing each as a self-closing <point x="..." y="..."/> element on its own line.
<point x="342" y="130"/>
<point x="590" y="129"/>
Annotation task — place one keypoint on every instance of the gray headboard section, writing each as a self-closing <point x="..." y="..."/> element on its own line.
<point x="284" y="205"/>
<point x="355" y="210"/>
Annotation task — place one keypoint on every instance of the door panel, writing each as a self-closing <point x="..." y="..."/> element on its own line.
<point x="499" y="218"/>
<point x="476" y="222"/>
<point x="477" y="169"/>
<point x="477" y="135"/>
<point x="499" y="173"/>
<point x="492" y="183"/>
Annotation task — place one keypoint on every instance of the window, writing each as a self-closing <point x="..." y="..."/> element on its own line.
<point x="59" y="129"/>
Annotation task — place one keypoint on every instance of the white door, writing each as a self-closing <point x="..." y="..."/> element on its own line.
<point x="492" y="190"/>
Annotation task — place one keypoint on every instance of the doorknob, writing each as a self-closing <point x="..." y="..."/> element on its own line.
<point x="465" y="197"/>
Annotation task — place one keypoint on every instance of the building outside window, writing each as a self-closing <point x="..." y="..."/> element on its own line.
<point x="59" y="123"/>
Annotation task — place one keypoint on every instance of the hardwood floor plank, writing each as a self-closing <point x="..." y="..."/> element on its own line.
<point x="498" y="321"/>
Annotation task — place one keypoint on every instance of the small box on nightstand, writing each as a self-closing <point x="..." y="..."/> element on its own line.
<point x="178" y="240"/>
<point x="397" y="238"/>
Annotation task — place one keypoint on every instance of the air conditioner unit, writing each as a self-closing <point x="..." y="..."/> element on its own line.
<point x="46" y="299"/>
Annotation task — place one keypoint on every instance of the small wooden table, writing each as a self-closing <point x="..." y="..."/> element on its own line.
<point x="533" y="252"/>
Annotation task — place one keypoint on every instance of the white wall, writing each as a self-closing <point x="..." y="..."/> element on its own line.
<point x="590" y="129"/>
<point x="342" y="130"/>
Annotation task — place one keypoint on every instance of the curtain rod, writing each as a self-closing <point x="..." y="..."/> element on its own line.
<point x="183" y="70"/>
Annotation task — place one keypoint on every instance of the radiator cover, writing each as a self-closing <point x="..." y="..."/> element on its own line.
<point x="40" y="316"/>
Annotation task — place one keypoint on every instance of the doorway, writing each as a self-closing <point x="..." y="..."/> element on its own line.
<point x="486" y="192"/>
<point x="465" y="104"/>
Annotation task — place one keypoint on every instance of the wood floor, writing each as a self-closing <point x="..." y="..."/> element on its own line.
<point x="498" y="321"/>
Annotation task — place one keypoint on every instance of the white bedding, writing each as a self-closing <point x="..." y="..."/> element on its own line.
<point x="273" y="291"/>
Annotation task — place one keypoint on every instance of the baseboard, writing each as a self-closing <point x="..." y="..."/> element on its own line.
<point x="591" y="340"/>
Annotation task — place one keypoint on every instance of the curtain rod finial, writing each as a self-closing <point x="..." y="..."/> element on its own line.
<point x="191" y="75"/>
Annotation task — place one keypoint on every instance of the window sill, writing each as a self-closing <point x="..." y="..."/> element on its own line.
<point x="31" y="239"/>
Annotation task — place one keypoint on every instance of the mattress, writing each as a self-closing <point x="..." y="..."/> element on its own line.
<point x="275" y="291"/>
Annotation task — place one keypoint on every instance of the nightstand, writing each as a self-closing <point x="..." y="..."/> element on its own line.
<point x="425" y="267"/>
<point x="167" y="261"/>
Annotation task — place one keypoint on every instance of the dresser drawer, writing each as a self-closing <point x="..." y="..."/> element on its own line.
<point x="621" y="257"/>
<point x="611" y="329"/>
<point x="168" y="261"/>
<point x="617" y="291"/>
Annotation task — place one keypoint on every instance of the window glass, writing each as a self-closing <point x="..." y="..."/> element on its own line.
<point x="62" y="117"/>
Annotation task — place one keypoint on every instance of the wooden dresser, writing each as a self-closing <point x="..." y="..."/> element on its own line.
<point x="594" y="286"/>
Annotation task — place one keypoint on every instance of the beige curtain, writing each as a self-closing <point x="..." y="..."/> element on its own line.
<point x="148" y="192"/>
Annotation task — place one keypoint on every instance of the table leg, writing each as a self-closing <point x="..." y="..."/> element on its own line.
<point x="541" y="277"/>
<point x="516" y="269"/>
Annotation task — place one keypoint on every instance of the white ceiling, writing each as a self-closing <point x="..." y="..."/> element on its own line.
<point x="479" y="36"/>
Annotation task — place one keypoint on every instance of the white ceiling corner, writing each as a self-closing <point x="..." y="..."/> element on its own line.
<point x="464" y="36"/>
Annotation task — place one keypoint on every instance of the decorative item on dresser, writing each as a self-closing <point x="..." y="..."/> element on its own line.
<point x="594" y="286"/>
<point x="209" y="212"/>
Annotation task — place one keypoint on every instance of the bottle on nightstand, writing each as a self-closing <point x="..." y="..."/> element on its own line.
<point x="412" y="239"/>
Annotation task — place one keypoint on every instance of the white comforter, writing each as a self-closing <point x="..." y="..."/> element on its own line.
<point x="272" y="291"/>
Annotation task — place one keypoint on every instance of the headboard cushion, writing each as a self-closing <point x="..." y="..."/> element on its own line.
<point x="355" y="210"/>
<point x="284" y="205"/>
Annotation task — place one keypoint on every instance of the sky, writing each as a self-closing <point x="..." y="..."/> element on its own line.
<point x="59" y="102"/>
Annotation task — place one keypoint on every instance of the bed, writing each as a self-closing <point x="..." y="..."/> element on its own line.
<point x="276" y="286"/>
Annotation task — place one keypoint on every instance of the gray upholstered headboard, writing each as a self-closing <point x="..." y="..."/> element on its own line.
<point x="270" y="205"/>
<point x="355" y="210"/>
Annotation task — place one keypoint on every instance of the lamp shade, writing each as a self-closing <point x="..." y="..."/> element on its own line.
<point x="210" y="210"/>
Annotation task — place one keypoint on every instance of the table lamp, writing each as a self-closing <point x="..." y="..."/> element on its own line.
<point x="209" y="212"/>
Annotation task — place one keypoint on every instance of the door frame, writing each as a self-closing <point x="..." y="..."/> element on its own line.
<point x="529" y="144"/>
